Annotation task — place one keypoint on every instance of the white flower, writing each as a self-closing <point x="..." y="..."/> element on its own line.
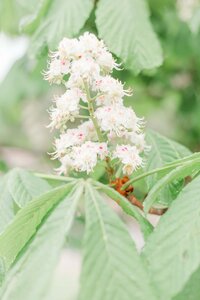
<point x="106" y="61"/>
<point x="85" y="68"/>
<point x="66" y="165"/>
<point x="88" y="128"/>
<point x="103" y="100"/>
<point x="112" y="90"/>
<point x="117" y="119"/>
<point x="75" y="137"/>
<point x="138" y="140"/>
<point x="96" y="49"/>
<point x="91" y="44"/>
<point x="68" y="139"/>
<point x="85" y="157"/>
<point x="57" y="68"/>
<point x="102" y="150"/>
<point x="70" y="49"/>
<point x="67" y="108"/>
<point x="69" y="100"/>
<point x="129" y="156"/>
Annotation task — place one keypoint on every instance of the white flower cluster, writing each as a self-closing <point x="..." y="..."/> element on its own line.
<point x="111" y="130"/>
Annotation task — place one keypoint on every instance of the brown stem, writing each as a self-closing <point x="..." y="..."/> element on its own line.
<point x="154" y="211"/>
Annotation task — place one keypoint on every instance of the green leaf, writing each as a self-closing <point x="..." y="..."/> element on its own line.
<point x="24" y="186"/>
<point x="30" y="22"/>
<point x="179" y="172"/>
<point x="127" y="31"/>
<point x="7" y="209"/>
<point x="112" y="268"/>
<point x="31" y="275"/>
<point x="63" y="18"/>
<point x="26" y="222"/>
<point x="163" y="151"/>
<point x="10" y="13"/>
<point x="173" y="250"/>
<point x="181" y="150"/>
<point x="128" y="208"/>
<point x="162" y="170"/>
<point x="18" y="187"/>
<point x="191" y="290"/>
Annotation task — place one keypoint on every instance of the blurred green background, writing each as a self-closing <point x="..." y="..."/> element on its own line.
<point x="168" y="96"/>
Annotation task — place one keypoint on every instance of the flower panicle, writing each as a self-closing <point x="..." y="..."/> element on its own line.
<point x="94" y="102"/>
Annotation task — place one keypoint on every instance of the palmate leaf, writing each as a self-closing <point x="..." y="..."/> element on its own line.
<point x="32" y="273"/>
<point x="112" y="268"/>
<point x="26" y="222"/>
<point x="126" y="29"/>
<point x="17" y="188"/>
<point x="163" y="151"/>
<point x="63" y="18"/>
<point x="173" y="250"/>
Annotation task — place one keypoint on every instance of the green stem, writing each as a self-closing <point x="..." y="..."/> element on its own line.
<point x="54" y="177"/>
<point x="83" y="107"/>
<point x="197" y="174"/>
<point x="96" y="126"/>
<point x="98" y="95"/>
<point x="158" y="170"/>
<point x="82" y="117"/>
<point x="91" y="112"/>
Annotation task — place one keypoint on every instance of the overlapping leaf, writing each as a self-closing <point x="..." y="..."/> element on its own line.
<point x="173" y="250"/>
<point x="30" y="22"/>
<point x="63" y="18"/>
<point x="32" y="273"/>
<point x="26" y="222"/>
<point x="24" y="186"/>
<point x="18" y="187"/>
<point x="126" y="29"/>
<point x="112" y="268"/>
<point x="11" y="11"/>
<point x="179" y="172"/>
<point x="163" y="151"/>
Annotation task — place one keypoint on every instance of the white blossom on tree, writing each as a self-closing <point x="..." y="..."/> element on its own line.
<point x="105" y="129"/>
